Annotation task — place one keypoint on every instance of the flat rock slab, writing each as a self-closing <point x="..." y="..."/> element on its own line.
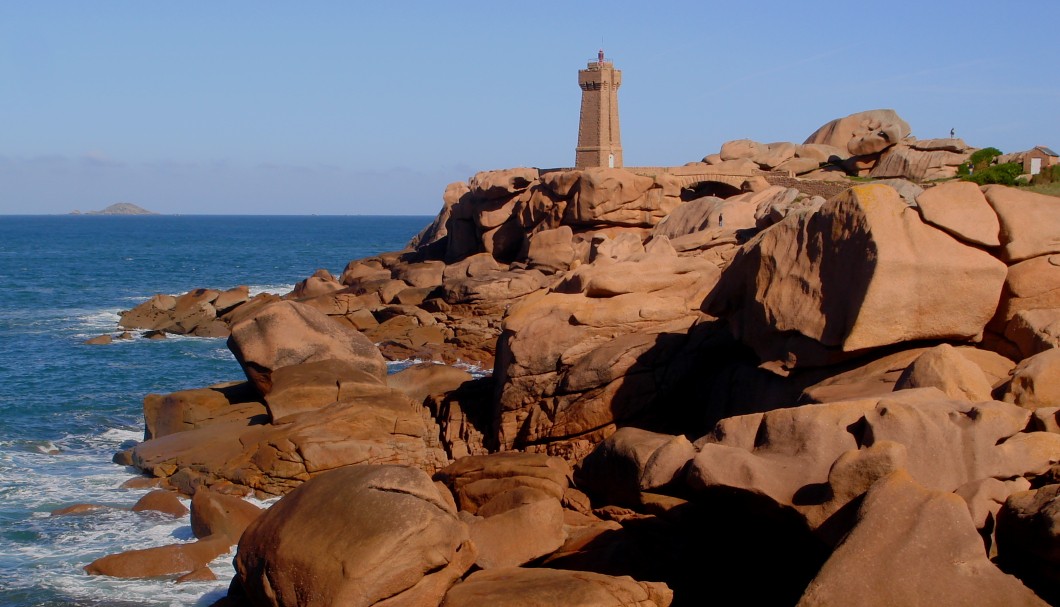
<point x="516" y="587"/>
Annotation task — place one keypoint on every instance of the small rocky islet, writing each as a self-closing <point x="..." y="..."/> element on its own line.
<point x="741" y="380"/>
<point x="118" y="208"/>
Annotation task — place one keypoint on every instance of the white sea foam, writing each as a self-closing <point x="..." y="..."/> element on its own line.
<point x="98" y="318"/>
<point x="473" y="369"/>
<point x="47" y="447"/>
<point x="113" y="531"/>
<point x="120" y="435"/>
<point x="40" y="483"/>
<point x="222" y="353"/>
<point x="393" y="366"/>
<point x="280" y="289"/>
<point x="82" y="323"/>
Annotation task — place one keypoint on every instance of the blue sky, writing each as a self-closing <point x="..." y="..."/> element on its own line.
<point x="350" y="108"/>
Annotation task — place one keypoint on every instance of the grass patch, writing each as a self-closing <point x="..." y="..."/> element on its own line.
<point x="1050" y="189"/>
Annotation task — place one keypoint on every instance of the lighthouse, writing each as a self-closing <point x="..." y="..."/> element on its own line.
<point x="599" y="140"/>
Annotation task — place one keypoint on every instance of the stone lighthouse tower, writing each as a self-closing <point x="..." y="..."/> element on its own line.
<point x="599" y="142"/>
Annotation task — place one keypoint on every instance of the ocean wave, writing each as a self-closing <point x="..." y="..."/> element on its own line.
<point x="60" y="546"/>
<point x="108" y="317"/>
<point x="66" y="544"/>
<point x="393" y="366"/>
<point x="42" y="447"/>
<point x="278" y="289"/>
<point x="473" y="369"/>
<point x="121" y="435"/>
<point x="68" y="408"/>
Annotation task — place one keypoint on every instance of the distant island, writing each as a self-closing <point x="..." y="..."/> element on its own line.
<point x="121" y="208"/>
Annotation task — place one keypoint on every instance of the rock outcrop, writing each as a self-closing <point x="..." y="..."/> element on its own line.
<point x="389" y="537"/>
<point x="923" y="538"/>
<point x="862" y="272"/>
<point x="201" y="312"/>
<point x="289" y="333"/>
<point x="854" y="391"/>
<point x="863" y="133"/>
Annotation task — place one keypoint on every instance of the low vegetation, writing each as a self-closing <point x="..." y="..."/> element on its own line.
<point x="981" y="169"/>
<point x="1049" y="189"/>
<point x="1046" y="182"/>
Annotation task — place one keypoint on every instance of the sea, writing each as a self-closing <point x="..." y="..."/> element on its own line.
<point x="67" y="407"/>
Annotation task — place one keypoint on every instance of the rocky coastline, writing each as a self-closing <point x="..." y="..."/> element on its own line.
<point x="795" y="390"/>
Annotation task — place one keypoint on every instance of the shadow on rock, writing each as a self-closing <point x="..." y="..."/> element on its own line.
<point x="717" y="550"/>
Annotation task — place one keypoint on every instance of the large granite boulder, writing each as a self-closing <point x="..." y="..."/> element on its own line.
<point x="369" y="423"/>
<point x="290" y="333"/>
<point x="798" y="456"/>
<point x="775" y="154"/>
<point x="551" y="251"/>
<point x="516" y="527"/>
<point x="1032" y="284"/>
<point x="879" y="375"/>
<point x="862" y="133"/>
<point x="194" y="314"/>
<point x="511" y="503"/>
<point x="1036" y="381"/>
<point x="911" y="161"/>
<point x="420" y="275"/>
<point x="660" y="272"/>
<point x="1030" y="222"/>
<point x="1028" y="539"/>
<point x="632" y="461"/>
<point x="231" y="299"/>
<point x="618" y="197"/>
<point x="424" y="379"/>
<point x="547" y="342"/>
<point x="862" y="272"/>
<point x="501" y="183"/>
<point x="945" y="368"/>
<point x="476" y="480"/>
<point x="1034" y="331"/>
<point x="319" y="283"/>
<point x="199" y="312"/>
<point x="189" y="409"/>
<point x="312" y="385"/>
<point x="711" y="221"/>
<point x="162" y="501"/>
<point x="168" y="560"/>
<point x="215" y="514"/>
<point x="357" y="272"/>
<point x="388" y="536"/>
<point x="913" y="546"/>
<point x="152" y="315"/>
<point x="497" y="286"/>
<point x="571" y="366"/>
<point x="740" y="148"/>
<point x="960" y="209"/>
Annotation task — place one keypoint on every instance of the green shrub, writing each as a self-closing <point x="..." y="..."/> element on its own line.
<point x="1004" y="174"/>
<point x="980" y="159"/>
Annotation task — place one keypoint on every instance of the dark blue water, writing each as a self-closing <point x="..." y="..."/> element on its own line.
<point x="66" y="407"/>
